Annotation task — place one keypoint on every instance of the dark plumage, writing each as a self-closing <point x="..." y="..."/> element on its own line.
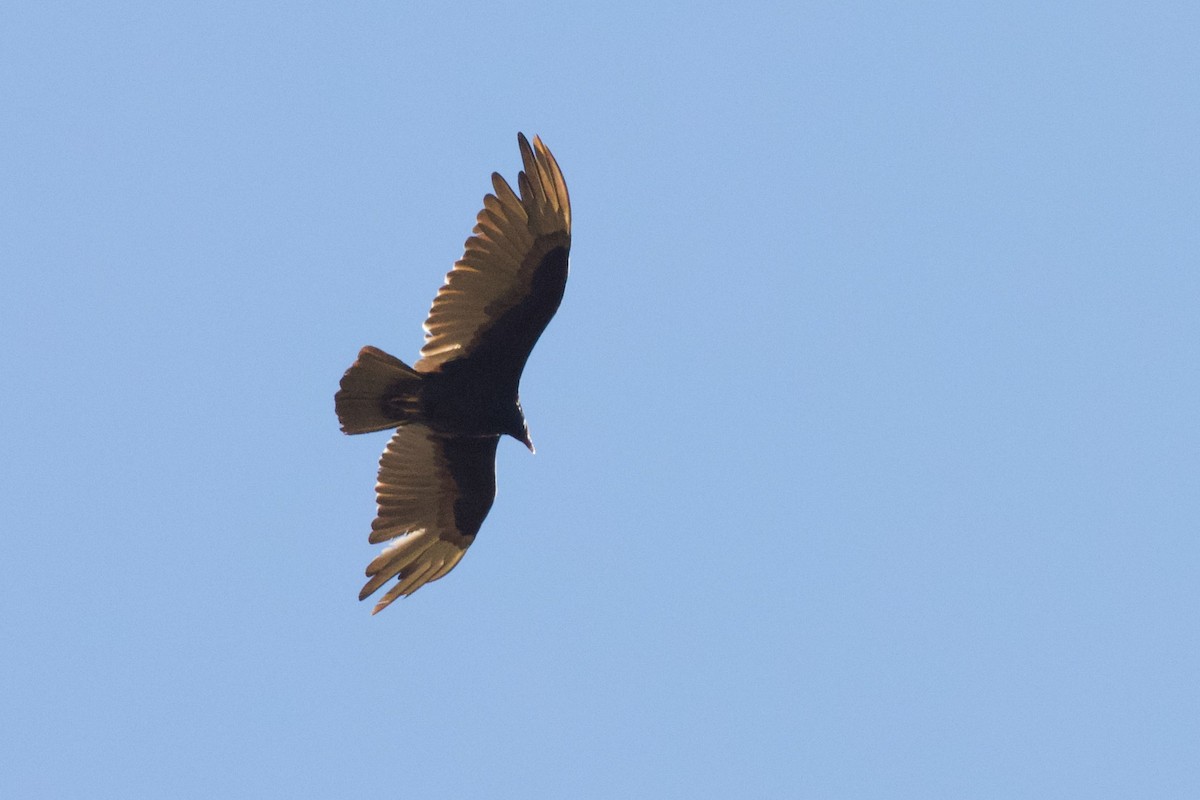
<point x="437" y="476"/>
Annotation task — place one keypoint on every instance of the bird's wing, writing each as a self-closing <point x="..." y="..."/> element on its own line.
<point x="500" y="295"/>
<point x="433" y="493"/>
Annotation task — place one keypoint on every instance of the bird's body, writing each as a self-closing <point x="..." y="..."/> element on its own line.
<point x="437" y="475"/>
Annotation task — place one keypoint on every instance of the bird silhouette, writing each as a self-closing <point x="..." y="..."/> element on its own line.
<point x="437" y="475"/>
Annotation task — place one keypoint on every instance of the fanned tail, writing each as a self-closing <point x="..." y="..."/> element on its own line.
<point x="378" y="392"/>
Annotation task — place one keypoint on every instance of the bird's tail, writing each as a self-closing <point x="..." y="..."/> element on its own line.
<point x="378" y="392"/>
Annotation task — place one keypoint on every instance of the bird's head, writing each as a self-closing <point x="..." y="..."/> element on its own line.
<point x="525" y="440"/>
<point x="519" y="429"/>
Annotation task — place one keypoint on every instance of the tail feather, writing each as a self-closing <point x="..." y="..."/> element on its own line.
<point x="378" y="392"/>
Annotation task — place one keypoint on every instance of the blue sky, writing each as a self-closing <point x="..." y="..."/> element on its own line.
<point x="868" y="453"/>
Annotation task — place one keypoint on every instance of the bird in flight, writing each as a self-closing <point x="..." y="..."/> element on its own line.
<point x="437" y="475"/>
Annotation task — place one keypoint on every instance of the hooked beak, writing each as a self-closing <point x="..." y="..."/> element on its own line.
<point x="525" y="440"/>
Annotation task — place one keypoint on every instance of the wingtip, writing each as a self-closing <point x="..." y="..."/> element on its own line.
<point x="381" y="605"/>
<point x="523" y="144"/>
<point x="528" y="160"/>
<point x="544" y="177"/>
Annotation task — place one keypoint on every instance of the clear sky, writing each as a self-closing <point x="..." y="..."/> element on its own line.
<point x="868" y="456"/>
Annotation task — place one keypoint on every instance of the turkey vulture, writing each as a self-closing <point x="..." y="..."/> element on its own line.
<point x="437" y="476"/>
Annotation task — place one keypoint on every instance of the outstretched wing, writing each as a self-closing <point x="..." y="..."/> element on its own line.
<point x="433" y="493"/>
<point x="501" y="294"/>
